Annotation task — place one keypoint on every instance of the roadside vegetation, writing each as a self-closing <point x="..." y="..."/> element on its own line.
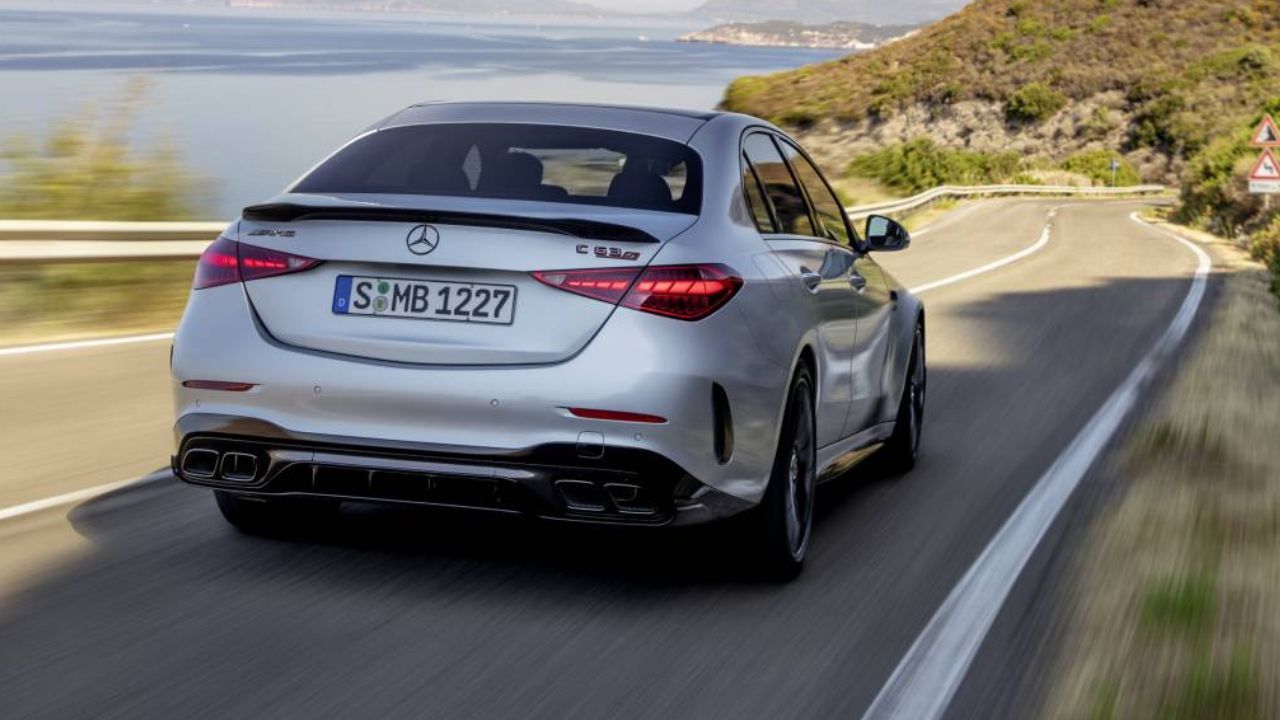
<point x="1216" y="198"/>
<point x="921" y="164"/>
<point x="86" y="168"/>
<point x="1177" y="594"/>
<point x="43" y="303"/>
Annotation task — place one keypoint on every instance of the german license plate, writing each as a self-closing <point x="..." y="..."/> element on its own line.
<point x="425" y="299"/>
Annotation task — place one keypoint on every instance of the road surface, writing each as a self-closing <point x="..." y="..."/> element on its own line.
<point x="143" y="603"/>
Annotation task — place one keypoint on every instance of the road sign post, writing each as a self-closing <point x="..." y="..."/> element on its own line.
<point x="1264" y="179"/>
<point x="1267" y="135"/>
<point x="1265" y="176"/>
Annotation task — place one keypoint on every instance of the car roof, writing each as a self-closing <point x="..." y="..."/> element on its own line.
<point x="678" y="125"/>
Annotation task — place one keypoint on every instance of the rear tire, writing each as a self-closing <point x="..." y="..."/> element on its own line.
<point x="275" y="518"/>
<point x="784" y="520"/>
<point x="900" y="453"/>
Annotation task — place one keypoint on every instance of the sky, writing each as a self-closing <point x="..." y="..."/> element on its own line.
<point x="874" y="10"/>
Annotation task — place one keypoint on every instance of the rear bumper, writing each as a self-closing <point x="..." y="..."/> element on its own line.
<point x="637" y="363"/>
<point x="610" y="485"/>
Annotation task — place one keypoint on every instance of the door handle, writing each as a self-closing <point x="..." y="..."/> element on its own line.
<point x="858" y="282"/>
<point x="811" y="280"/>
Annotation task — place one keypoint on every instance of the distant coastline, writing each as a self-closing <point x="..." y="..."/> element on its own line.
<point x="777" y="33"/>
<point x="431" y="7"/>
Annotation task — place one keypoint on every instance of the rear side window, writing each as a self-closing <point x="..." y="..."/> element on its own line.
<point x="825" y="204"/>
<point x="756" y="200"/>
<point x="788" y="201"/>
<point x="546" y="163"/>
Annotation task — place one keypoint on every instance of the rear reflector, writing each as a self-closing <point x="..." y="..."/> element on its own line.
<point x="227" y="261"/>
<point x="219" y="385"/>
<point x="684" y="292"/>
<point x="616" y="415"/>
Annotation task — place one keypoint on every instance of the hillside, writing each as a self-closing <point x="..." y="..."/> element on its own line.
<point x="779" y="33"/>
<point x="1156" y="80"/>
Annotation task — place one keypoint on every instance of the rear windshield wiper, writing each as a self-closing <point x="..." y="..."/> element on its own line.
<point x="574" y="227"/>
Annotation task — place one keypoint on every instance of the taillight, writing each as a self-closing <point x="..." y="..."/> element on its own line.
<point x="219" y="265"/>
<point x="227" y="261"/>
<point x="684" y="292"/>
<point x="607" y="285"/>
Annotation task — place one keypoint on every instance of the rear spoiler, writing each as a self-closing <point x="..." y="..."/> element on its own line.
<point x="574" y="227"/>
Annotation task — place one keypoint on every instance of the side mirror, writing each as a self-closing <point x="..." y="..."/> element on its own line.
<point x="886" y="235"/>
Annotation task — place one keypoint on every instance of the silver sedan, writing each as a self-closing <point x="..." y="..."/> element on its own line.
<point x="599" y="314"/>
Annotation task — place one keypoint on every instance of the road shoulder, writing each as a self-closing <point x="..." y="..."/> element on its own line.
<point x="1158" y="592"/>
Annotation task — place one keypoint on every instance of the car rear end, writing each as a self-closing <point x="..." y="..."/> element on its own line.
<point x="474" y="314"/>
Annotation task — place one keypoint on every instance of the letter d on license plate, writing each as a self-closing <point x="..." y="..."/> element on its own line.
<point x="425" y="299"/>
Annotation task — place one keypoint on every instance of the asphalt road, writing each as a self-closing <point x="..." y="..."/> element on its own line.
<point x="142" y="603"/>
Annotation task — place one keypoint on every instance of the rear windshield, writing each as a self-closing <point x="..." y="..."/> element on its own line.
<point x="517" y="162"/>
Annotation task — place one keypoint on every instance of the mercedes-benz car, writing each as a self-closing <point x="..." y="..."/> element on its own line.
<point x="581" y="313"/>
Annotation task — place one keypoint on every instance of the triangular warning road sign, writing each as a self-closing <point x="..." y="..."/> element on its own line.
<point x="1267" y="168"/>
<point x="1267" y="134"/>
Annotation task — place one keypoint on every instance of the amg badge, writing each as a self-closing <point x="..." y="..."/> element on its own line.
<point x="608" y="253"/>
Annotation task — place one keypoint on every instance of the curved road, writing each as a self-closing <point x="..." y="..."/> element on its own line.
<point x="142" y="603"/>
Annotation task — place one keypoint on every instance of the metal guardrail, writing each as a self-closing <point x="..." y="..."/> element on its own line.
<point x="948" y="192"/>
<point x="57" y="241"/>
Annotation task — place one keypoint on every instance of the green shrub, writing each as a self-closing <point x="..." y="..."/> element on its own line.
<point x="1265" y="248"/>
<point x="919" y="165"/>
<point x="85" y="168"/>
<point x="1180" y="604"/>
<point x="1215" y="188"/>
<point x="1033" y="103"/>
<point x="1096" y="165"/>
<point x="1163" y="122"/>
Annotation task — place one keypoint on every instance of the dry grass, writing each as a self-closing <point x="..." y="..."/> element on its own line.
<point x="47" y="303"/>
<point x="1177" y="597"/>
<point x="855" y="190"/>
<point x="927" y="216"/>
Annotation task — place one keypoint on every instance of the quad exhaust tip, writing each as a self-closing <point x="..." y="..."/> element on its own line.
<point x="238" y="466"/>
<point x="587" y="496"/>
<point x="582" y="495"/>
<point x="207" y="464"/>
<point x="200" y="463"/>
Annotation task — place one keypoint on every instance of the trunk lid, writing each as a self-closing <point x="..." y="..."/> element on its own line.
<point x="475" y="244"/>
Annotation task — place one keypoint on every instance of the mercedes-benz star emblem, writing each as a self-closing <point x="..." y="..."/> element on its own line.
<point x="422" y="239"/>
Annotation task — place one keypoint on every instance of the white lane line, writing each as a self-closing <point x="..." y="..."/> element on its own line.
<point x="83" y="344"/>
<point x="77" y="496"/>
<point x="1033" y="249"/>
<point x="925" y="681"/>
